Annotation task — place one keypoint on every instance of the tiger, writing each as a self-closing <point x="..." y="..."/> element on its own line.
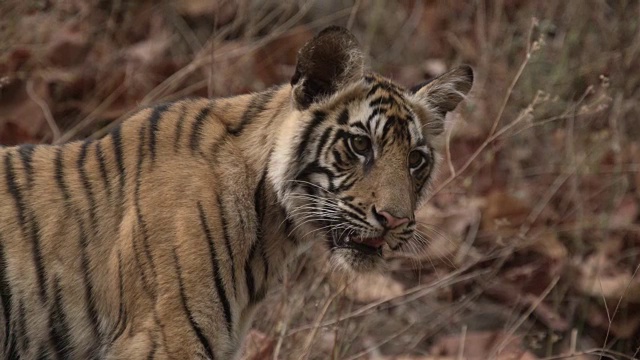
<point x="159" y="240"/>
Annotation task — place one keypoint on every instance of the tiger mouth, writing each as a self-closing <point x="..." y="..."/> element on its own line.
<point x="365" y="245"/>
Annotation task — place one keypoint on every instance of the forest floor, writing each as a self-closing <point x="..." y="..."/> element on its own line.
<point x="534" y="222"/>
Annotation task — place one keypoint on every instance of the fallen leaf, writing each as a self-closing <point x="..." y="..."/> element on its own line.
<point x="624" y="327"/>
<point x="513" y="296"/>
<point x="223" y="11"/>
<point x="257" y="346"/>
<point x="413" y="357"/>
<point x="446" y="229"/>
<point x="67" y="46"/>
<point x="482" y="345"/>
<point x="504" y="213"/>
<point x="546" y="243"/>
<point x="22" y="120"/>
<point x="150" y="50"/>
<point x="366" y="288"/>
<point x="626" y="213"/>
<point x="601" y="277"/>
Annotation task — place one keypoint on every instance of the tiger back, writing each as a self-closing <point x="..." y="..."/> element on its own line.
<point x="159" y="240"/>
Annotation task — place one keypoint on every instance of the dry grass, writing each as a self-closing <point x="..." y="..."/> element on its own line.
<point x="543" y="154"/>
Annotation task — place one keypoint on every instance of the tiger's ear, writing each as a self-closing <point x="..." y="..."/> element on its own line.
<point x="328" y="61"/>
<point x="444" y="93"/>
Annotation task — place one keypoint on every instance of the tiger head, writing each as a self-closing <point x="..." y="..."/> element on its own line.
<point x="356" y="156"/>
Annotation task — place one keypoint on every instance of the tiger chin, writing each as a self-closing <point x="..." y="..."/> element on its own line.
<point x="159" y="240"/>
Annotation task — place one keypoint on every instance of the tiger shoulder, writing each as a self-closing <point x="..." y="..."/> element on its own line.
<point x="159" y="240"/>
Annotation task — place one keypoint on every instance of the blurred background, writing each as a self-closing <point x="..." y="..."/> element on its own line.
<point x="533" y="226"/>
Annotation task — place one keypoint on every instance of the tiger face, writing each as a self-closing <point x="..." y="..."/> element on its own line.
<point x="360" y="151"/>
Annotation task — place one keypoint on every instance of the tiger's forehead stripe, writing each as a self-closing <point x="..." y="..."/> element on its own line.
<point x="390" y="118"/>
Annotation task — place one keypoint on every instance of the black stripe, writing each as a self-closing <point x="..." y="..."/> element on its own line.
<point x="117" y="148"/>
<point x="192" y="321"/>
<point x="59" y="175"/>
<point x="227" y="242"/>
<point x="5" y="298"/>
<point x="265" y="260"/>
<point x="382" y="100"/>
<point x="103" y="168"/>
<point x="373" y="114"/>
<point x="26" y="154"/>
<point x="340" y="163"/>
<point x="323" y="141"/>
<point x="390" y="123"/>
<point x="347" y="183"/>
<point x="318" y="118"/>
<point x="315" y="168"/>
<point x="33" y="231"/>
<point x="21" y="329"/>
<point x="58" y="327"/>
<point x="121" y="323"/>
<point x="354" y="217"/>
<point x="13" y="349"/>
<point x="196" y="129"/>
<point x="138" y="265"/>
<point x="161" y="326"/>
<point x="154" y="121"/>
<point x="386" y="86"/>
<point x="141" y="222"/>
<point x="179" y="126"/>
<point x="43" y="352"/>
<point x="216" y="269"/>
<point x="249" y="278"/>
<point x="343" y="118"/>
<point x="257" y="105"/>
<point x="92" y="313"/>
<point x="355" y="209"/>
<point x="259" y="207"/>
<point x="288" y="229"/>
<point x="154" y="347"/>
<point x="259" y="200"/>
<point x="86" y="185"/>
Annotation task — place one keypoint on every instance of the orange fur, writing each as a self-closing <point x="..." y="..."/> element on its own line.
<point x="159" y="239"/>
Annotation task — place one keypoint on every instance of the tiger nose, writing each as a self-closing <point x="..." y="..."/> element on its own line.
<point x="389" y="221"/>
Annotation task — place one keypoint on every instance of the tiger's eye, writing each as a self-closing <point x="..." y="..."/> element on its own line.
<point x="361" y="144"/>
<point x="415" y="158"/>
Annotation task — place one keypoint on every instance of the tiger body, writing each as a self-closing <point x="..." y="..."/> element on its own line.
<point x="158" y="240"/>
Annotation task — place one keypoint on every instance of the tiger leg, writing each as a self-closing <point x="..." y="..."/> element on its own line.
<point x="159" y="339"/>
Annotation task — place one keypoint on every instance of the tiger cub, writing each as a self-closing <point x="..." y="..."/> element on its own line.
<point x="158" y="240"/>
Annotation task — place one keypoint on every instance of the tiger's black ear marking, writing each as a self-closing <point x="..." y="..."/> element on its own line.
<point x="444" y="93"/>
<point x="330" y="60"/>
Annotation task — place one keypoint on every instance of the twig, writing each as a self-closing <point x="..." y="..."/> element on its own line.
<point x="523" y="65"/>
<point x="495" y="133"/>
<point x="379" y="344"/>
<point x="71" y="133"/>
<point x="523" y="318"/>
<point x="321" y="315"/>
<point x="411" y="294"/>
<point x="573" y="344"/>
<point x="352" y="15"/>
<point x="615" y="311"/>
<point x="463" y="340"/>
<point x="609" y="354"/>
<point x="55" y="130"/>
